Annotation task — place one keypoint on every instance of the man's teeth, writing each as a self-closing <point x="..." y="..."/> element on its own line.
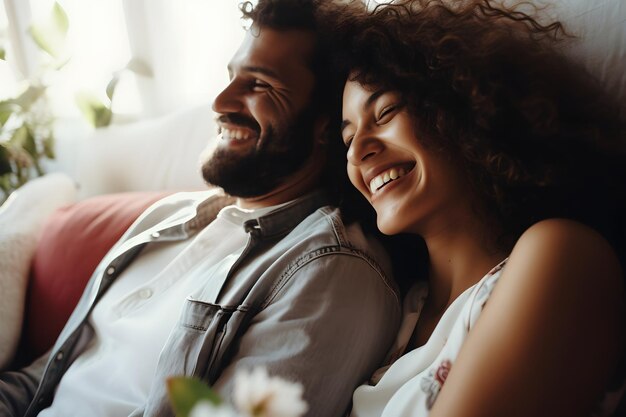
<point x="381" y="179"/>
<point x="235" y="134"/>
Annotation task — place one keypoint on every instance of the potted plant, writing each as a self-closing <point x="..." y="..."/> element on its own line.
<point x="26" y="134"/>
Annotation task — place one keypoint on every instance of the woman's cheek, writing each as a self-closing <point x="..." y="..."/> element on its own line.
<point x="357" y="180"/>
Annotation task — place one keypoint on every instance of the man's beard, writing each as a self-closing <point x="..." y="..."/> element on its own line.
<point x="261" y="170"/>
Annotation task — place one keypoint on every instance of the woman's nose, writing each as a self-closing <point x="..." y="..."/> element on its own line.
<point x="363" y="147"/>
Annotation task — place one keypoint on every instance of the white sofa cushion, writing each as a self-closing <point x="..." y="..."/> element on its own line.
<point x="21" y="218"/>
<point x="149" y="155"/>
<point x="157" y="154"/>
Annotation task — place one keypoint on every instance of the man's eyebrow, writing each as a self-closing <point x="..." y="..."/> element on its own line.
<point x="370" y="100"/>
<point x="252" y="68"/>
<point x="261" y="70"/>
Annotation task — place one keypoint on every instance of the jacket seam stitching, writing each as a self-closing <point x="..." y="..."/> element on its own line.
<point x="318" y="254"/>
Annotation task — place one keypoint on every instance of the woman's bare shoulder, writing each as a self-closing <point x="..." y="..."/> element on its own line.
<point x="555" y="320"/>
<point x="570" y="253"/>
<point x="564" y="260"/>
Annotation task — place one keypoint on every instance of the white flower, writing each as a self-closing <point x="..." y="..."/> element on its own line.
<point x="256" y="394"/>
<point x="204" y="408"/>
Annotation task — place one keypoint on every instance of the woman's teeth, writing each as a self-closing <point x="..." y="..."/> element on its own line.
<point x="386" y="177"/>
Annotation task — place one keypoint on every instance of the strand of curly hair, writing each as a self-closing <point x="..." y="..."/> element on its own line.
<point x="488" y="87"/>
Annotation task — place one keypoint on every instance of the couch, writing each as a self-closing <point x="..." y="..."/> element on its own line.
<point x="55" y="229"/>
<point x="64" y="223"/>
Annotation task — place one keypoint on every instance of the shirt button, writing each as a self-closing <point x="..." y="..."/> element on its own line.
<point x="155" y="235"/>
<point x="145" y="293"/>
<point x="110" y="270"/>
<point x="59" y="356"/>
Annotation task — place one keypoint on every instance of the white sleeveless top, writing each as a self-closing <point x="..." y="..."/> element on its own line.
<point x="409" y="386"/>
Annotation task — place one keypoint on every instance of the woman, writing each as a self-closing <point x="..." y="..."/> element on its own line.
<point x="464" y="126"/>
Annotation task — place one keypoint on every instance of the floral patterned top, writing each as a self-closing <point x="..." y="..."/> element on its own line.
<point x="408" y="386"/>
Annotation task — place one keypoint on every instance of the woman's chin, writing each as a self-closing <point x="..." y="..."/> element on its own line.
<point x="388" y="226"/>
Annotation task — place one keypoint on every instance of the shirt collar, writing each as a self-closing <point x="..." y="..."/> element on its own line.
<point x="287" y="216"/>
<point x="239" y="216"/>
<point x="280" y="220"/>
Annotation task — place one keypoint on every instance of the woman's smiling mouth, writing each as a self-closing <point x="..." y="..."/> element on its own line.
<point x="389" y="175"/>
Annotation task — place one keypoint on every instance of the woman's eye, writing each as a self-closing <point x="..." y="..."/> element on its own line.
<point x="386" y="113"/>
<point x="258" y="85"/>
<point x="347" y="141"/>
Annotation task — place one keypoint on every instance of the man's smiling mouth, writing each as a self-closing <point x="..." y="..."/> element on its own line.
<point x="238" y="128"/>
<point x="238" y="134"/>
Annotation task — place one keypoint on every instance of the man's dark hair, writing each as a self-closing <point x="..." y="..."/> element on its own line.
<point x="282" y="14"/>
<point x="320" y="17"/>
<point x="306" y="15"/>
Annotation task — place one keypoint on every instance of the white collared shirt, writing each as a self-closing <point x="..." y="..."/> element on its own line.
<point x="112" y="377"/>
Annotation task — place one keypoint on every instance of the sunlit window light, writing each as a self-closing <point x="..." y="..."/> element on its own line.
<point x="97" y="45"/>
<point x="183" y="45"/>
<point x="8" y="80"/>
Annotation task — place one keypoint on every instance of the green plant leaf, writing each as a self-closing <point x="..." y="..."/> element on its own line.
<point x="60" y="63"/>
<point x="94" y="110"/>
<point x="112" y="84"/>
<point x="21" y="160"/>
<point x="48" y="147"/>
<point x="5" y="164"/>
<point x="51" y="33"/>
<point x="7" y="108"/>
<point x="5" y="182"/>
<point x="60" y="19"/>
<point x="23" y="152"/>
<point x="19" y="137"/>
<point x="185" y="392"/>
<point x="30" y="145"/>
<point x="5" y="185"/>
<point x="103" y="116"/>
<point x="29" y="96"/>
<point x="3" y="53"/>
<point x="140" y="67"/>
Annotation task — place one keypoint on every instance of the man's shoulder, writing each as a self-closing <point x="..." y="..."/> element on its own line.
<point x="325" y="228"/>
<point x="328" y="223"/>
<point x="323" y="252"/>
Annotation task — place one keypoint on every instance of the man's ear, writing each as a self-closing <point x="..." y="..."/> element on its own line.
<point x="321" y="130"/>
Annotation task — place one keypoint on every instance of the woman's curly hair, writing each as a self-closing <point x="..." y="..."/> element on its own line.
<point x="534" y="133"/>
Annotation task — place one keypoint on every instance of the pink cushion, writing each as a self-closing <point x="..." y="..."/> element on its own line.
<point x="74" y="240"/>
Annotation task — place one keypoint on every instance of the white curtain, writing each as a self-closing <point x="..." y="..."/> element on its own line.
<point x="25" y="53"/>
<point x="186" y="44"/>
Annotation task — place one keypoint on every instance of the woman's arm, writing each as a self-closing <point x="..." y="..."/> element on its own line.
<point x="551" y="334"/>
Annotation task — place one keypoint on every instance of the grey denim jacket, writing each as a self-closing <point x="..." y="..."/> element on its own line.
<point x="312" y="302"/>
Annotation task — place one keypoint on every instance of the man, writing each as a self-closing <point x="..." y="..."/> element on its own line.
<point x="202" y="288"/>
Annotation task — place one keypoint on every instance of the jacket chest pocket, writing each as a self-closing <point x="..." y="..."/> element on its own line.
<point x="197" y="346"/>
<point x="193" y="340"/>
<point x="196" y="340"/>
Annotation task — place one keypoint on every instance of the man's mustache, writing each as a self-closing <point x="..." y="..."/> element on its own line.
<point x="239" y="120"/>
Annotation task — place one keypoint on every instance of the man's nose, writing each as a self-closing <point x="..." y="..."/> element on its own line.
<point x="228" y="101"/>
